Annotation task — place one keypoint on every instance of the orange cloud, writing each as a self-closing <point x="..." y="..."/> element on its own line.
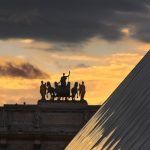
<point x="26" y="41"/>
<point x="125" y="30"/>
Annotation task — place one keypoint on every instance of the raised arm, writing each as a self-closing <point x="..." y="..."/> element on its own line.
<point x="68" y="74"/>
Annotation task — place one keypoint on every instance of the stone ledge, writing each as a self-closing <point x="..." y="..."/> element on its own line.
<point x="62" y="104"/>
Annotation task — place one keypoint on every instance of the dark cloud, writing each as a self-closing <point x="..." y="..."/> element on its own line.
<point x="24" y="70"/>
<point x="74" y="21"/>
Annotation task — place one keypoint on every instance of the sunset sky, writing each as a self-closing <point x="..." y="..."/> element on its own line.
<point x="99" y="41"/>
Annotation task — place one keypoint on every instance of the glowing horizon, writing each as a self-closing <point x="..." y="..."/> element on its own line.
<point x="101" y="73"/>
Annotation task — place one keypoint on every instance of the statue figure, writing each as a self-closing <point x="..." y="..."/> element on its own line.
<point x="74" y="91"/>
<point x="67" y="91"/>
<point x="50" y="90"/>
<point x="57" y="90"/>
<point x="63" y="80"/>
<point x="43" y="90"/>
<point x="82" y="91"/>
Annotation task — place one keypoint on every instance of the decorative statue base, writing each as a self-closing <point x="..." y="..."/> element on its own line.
<point x="64" y="101"/>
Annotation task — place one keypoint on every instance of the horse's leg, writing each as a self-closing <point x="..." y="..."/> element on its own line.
<point x="50" y="96"/>
<point x="82" y="95"/>
<point x="74" y="95"/>
<point x="53" y="95"/>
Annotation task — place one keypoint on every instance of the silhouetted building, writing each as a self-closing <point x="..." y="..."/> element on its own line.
<point x="45" y="126"/>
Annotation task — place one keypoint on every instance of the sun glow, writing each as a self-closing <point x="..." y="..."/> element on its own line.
<point x="26" y="41"/>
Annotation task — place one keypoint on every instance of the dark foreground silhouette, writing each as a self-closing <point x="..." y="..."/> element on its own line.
<point x="62" y="90"/>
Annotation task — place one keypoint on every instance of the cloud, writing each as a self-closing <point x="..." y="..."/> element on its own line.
<point x="74" y="21"/>
<point x="100" y="80"/>
<point x="82" y="66"/>
<point x="24" y="70"/>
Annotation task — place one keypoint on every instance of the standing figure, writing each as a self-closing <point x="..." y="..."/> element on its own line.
<point x="63" y="80"/>
<point x="50" y="90"/>
<point x="82" y="91"/>
<point x="57" y="91"/>
<point x="43" y="90"/>
<point x="67" y="95"/>
<point x="74" y="91"/>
